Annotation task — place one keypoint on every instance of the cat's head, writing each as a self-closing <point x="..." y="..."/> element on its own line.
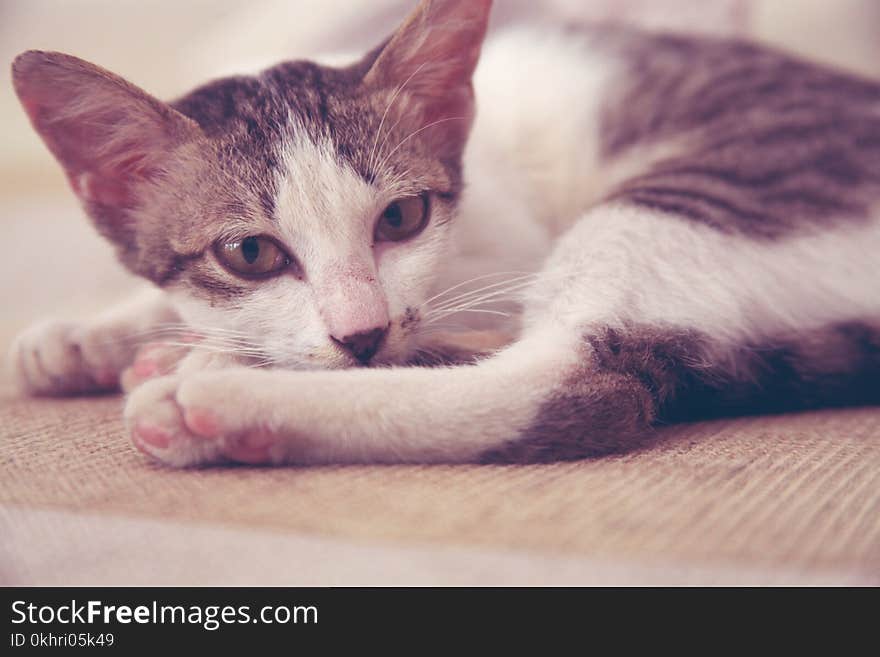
<point x="306" y="208"/>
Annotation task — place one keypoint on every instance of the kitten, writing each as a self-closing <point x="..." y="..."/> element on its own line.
<point x="682" y="228"/>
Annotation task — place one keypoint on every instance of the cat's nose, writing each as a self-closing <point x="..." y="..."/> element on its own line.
<point x="363" y="345"/>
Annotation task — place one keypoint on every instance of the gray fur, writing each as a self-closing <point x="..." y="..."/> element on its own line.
<point x="641" y="377"/>
<point x="771" y="144"/>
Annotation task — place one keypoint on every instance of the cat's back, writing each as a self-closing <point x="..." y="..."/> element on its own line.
<point x="588" y="112"/>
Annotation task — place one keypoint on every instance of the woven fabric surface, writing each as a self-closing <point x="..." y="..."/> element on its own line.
<point x="799" y="491"/>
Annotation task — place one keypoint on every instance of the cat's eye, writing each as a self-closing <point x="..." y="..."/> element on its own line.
<point x="404" y="218"/>
<point x="253" y="257"/>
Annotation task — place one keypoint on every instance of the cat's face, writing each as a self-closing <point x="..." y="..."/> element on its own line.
<point x="314" y="235"/>
<point x="299" y="215"/>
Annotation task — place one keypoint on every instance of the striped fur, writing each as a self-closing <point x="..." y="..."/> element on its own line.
<point x="770" y="143"/>
<point x="640" y="377"/>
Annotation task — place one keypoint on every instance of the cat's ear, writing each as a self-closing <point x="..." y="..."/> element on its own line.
<point x="108" y="135"/>
<point x="432" y="57"/>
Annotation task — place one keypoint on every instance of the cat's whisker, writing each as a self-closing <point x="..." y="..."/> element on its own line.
<point x="508" y="294"/>
<point x="468" y="306"/>
<point x="385" y="114"/>
<point x="399" y="184"/>
<point x="182" y="330"/>
<point x="433" y="314"/>
<point x="473" y="310"/>
<point x="416" y="132"/>
<point x="202" y="333"/>
<point x="427" y="356"/>
<point x="513" y="284"/>
<point x="473" y="280"/>
<point x="263" y="362"/>
<point x="214" y="330"/>
<point x="236" y="347"/>
<point x="390" y="132"/>
<point x="512" y="294"/>
<point x="436" y="327"/>
<point x="215" y="348"/>
<point x="523" y="280"/>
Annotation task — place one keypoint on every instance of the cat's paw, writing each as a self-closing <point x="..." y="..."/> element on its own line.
<point x="152" y="360"/>
<point x="184" y="435"/>
<point x="157" y="426"/>
<point x="66" y="358"/>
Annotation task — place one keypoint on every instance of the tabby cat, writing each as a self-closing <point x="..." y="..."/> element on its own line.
<point x="353" y="264"/>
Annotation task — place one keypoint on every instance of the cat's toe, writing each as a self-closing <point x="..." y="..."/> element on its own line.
<point x="67" y="358"/>
<point x="216" y="407"/>
<point x="49" y="359"/>
<point x="152" y="360"/>
<point x="157" y="427"/>
<point x="163" y="425"/>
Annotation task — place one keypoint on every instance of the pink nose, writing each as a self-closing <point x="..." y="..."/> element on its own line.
<point x="364" y="345"/>
<point x="355" y="313"/>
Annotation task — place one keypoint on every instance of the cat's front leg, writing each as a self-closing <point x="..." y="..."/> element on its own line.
<point x="66" y="358"/>
<point x="453" y="414"/>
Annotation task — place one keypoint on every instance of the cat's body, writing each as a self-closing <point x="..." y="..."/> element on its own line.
<point x="692" y="227"/>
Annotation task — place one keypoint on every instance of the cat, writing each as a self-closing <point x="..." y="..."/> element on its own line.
<point x="627" y="228"/>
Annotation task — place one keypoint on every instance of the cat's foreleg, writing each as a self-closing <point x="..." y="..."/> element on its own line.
<point x="65" y="358"/>
<point x="554" y="394"/>
<point x="413" y="414"/>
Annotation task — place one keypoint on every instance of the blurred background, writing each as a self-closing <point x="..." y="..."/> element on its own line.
<point x="57" y="266"/>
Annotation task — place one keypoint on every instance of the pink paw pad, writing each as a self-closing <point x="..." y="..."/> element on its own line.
<point x="145" y="368"/>
<point x="258" y="440"/>
<point x="252" y="448"/>
<point x="202" y="422"/>
<point x="107" y="378"/>
<point x="250" y="455"/>
<point x="149" y="434"/>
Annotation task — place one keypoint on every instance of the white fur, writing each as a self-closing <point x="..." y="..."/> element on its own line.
<point x="625" y="264"/>
<point x="529" y="174"/>
<point x="538" y="97"/>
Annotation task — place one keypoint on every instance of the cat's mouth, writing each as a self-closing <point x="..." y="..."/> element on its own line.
<point x="397" y="344"/>
<point x="393" y="349"/>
